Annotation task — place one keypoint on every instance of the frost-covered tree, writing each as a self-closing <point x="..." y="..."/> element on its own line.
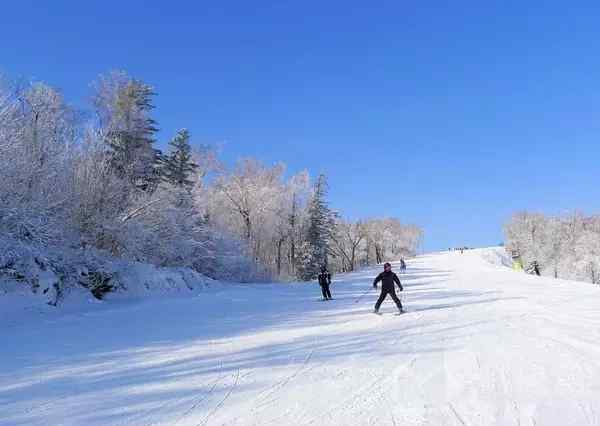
<point x="249" y="191"/>
<point x="100" y="198"/>
<point x="319" y="231"/>
<point x="298" y="192"/>
<point x="525" y="234"/>
<point x="563" y="246"/>
<point x="37" y="133"/>
<point x="347" y="239"/>
<point x="256" y="204"/>
<point x="586" y="255"/>
<point x="389" y="239"/>
<point x="123" y="106"/>
<point x="286" y="218"/>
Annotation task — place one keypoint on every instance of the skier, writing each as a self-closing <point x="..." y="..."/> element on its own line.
<point x="402" y="265"/>
<point x="324" y="282"/>
<point x="388" y="278"/>
<point x="534" y="268"/>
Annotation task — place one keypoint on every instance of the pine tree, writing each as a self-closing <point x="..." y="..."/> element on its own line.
<point x="179" y="168"/>
<point x="321" y="223"/>
<point x="126" y="104"/>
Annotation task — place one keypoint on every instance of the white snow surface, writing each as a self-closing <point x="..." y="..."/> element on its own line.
<point x="480" y="345"/>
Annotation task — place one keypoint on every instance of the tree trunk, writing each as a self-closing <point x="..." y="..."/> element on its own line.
<point x="279" y="244"/>
<point x="293" y="257"/>
<point x="248" y="225"/>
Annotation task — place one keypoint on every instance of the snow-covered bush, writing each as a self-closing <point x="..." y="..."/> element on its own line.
<point x="49" y="272"/>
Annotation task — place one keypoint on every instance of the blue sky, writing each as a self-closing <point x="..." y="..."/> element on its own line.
<point x="448" y="116"/>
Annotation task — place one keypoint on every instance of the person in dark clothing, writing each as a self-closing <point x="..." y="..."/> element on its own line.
<point x="534" y="268"/>
<point x="402" y="265"/>
<point x="324" y="282"/>
<point x="388" y="279"/>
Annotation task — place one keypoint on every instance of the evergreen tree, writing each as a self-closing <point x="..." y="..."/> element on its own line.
<point x="124" y="105"/>
<point x="316" y="247"/>
<point x="179" y="168"/>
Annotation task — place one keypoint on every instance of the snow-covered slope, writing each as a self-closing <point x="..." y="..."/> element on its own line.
<point x="480" y="345"/>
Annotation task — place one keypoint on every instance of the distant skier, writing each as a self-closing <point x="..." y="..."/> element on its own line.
<point x="324" y="282"/>
<point x="402" y="265"/>
<point x="534" y="268"/>
<point x="388" y="279"/>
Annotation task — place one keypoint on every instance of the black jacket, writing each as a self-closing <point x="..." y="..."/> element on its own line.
<point x="387" y="281"/>
<point x="324" y="278"/>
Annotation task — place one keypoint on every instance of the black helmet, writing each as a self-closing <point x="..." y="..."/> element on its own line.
<point x="323" y="269"/>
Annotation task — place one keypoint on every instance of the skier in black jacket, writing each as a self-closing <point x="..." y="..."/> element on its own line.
<point x="402" y="266"/>
<point x="324" y="282"/>
<point x="388" y="279"/>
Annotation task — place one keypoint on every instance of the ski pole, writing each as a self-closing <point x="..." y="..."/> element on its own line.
<point x="362" y="295"/>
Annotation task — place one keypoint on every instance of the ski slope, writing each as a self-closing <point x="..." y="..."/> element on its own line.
<point x="480" y="345"/>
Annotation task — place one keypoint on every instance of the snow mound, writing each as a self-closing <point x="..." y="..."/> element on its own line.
<point x="140" y="279"/>
<point x="43" y="275"/>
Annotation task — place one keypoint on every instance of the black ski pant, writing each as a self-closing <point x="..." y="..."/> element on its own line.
<point x="382" y="296"/>
<point x="325" y="291"/>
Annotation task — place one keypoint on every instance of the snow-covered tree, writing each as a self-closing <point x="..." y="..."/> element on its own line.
<point x="388" y="239"/>
<point x="563" y="246"/>
<point x="247" y="202"/>
<point x="123" y="106"/>
<point x="347" y="239"/>
<point x="288" y="215"/>
<point x="316" y="247"/>
<point x="98" y="189"/>
<point x="37" y="133"/>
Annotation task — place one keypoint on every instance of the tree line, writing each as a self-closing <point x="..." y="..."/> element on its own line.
<point x="566" y="246"/>
<point x="95" y="180"/>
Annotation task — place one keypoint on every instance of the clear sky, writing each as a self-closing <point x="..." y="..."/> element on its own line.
<point x="451" y="115"/>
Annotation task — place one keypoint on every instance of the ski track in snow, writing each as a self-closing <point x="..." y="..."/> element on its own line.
<point x="479" y="345"/>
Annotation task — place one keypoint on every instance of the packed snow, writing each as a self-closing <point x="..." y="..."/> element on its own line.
<point x="479" y="345"/>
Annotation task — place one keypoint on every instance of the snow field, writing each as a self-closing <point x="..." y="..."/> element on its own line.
<point x="480" y="345"/>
